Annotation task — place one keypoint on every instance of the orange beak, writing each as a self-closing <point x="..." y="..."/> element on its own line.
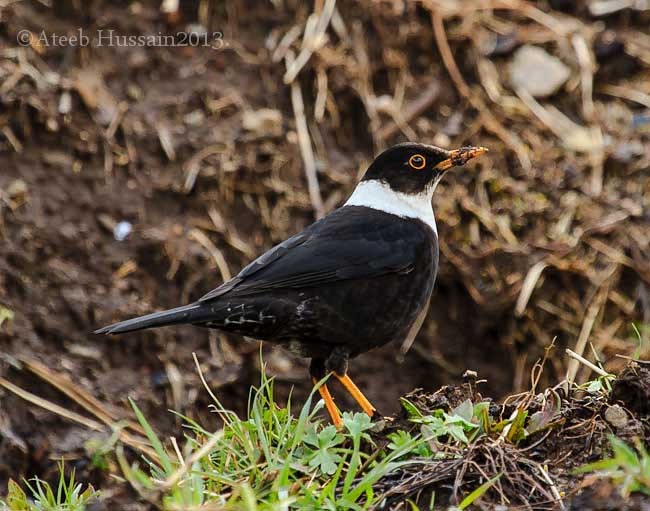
<point x="459" y="157"/>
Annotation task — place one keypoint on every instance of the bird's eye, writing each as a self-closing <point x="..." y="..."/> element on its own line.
<point x="417" y="161"/>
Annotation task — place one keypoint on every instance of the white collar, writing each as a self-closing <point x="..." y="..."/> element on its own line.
<point x="378" y="195"/>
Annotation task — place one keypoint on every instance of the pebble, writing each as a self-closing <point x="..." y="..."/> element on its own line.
<point x="65" y="103"/>
<point x="616" y="416"/>
<point x="537" y="72"/>
<point x="122" y="230"/>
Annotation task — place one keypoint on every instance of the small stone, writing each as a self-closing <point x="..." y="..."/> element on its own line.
<point x="537" y="72"/>
<point x="194" y="118"/>
<point x="122" y="230"/>
<point x="65" y="103"/>
<point x="616" y="416"/>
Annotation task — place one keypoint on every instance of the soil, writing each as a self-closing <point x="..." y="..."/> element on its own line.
<point x="577" y="431"/>
<point x="99" y="136"/>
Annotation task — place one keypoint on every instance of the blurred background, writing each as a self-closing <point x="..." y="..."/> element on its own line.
<point x="144" y="164"/>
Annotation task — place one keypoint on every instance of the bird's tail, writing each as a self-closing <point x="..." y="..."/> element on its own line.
<point x="192" y="313"/>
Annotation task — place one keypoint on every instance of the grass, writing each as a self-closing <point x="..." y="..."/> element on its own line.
<point x="271" y="460"/>
<point x="67" y="496"/>
<point x="641" y="333"/>
<point x="627" y="468"/>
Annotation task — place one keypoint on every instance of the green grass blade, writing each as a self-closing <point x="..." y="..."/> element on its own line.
<point x="479" y="492"/>
<point x="157" y="446"/>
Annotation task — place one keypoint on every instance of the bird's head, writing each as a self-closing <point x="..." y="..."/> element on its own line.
<point x="416" y="169"/>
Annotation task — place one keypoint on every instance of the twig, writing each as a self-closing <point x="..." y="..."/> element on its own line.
<point x="172" y="439"/>
<point x="321" y="95"/>
<point x="587" y="139"/>
<point x="632" y="359"/>
<point x="203" y="380"/>
<point x="528" y="9"/>
<point x="586" y="362"/>
<point x="618" y="91"/>
<point x="132" y="441"/>
<point x="314" y="39"/>
<point x="585" y="332"/>
<point x="586" y="75"/>
<point x="527" y="288"/>
<point x="51" y="407"/>
<point x="199" y="236"/>
<point x="285" y="43"/>
<point x="306" y="150"/>
<point x="192" y="166"/>
<point x="186" y="465"/>
<point x="12" y="139"/>
<point x="121" y="109"/>
<point x="166" y="140"/>
<point x="412" y="110"/>
<point x="554" y="490"/>
<point x="76" y="393"/>
<point x="538" y="368"/>
<point x="230" y="235"/>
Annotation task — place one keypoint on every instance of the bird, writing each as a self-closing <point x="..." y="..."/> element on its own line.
<point x="358" y="278"/>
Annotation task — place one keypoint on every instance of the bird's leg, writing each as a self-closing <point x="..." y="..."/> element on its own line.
<point x="329" y="404"/>
<point x="358" y="396"/>
<point x="337" y="362"/>
<point x="317" y="370"/>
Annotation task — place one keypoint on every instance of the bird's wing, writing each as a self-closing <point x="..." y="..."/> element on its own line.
<point x="350" y="243"/>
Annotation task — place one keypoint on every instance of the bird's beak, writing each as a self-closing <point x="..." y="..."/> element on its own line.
<point x="459" y="157"/>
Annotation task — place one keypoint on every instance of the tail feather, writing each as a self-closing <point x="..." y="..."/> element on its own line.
<point x="186" y="314"/>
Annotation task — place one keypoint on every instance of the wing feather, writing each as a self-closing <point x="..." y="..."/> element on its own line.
<point x="351" y="243"/>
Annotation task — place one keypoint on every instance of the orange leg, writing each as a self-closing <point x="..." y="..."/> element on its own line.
<point x="329" y="404"/>
<point x="357" y="394"/>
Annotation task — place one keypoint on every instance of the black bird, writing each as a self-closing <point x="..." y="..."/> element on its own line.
<point x="354" y="280"/>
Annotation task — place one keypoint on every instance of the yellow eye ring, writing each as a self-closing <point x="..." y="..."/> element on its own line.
<point x="417" y="161"/>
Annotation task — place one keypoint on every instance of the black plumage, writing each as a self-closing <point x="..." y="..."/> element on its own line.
<point x="354" y="280"/>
